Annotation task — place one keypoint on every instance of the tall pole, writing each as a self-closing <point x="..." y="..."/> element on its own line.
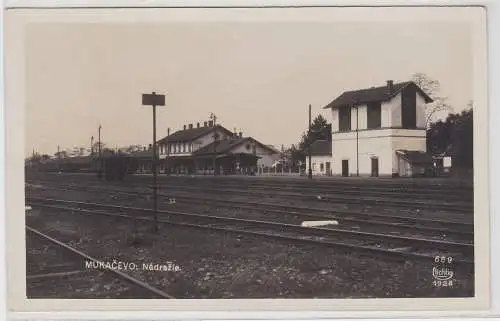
<point x="168" y="152"/>
<point x="214" y="119"/>
<point x="92" y="147"/>
<point x="154" y="100"/>
<point x="310" y="143"/>
<point x="282" y="160"/>
<point x="357" y="141"/>
<point x="100" y="151"/>
<point x="58" y="158"/>
<point x="155" y="191"/>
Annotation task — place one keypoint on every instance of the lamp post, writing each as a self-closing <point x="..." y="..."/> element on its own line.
<point x="154" y="100"/>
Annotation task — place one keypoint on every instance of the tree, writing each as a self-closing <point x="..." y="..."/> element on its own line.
<point x="77" y="151"/>
<point x="132" y="148"/>
<point x="62" y="154"/>
<point x="297" y="156"/>
<point x="432" y="88"/>
<point x="96" y="147"/>
<point x="320" y="130"/>
<point x="454" y="136"/>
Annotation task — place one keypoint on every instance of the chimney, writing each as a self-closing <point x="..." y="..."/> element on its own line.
<point x="240" y="134"/>
<point x="210" y="123"/>
<point x="190" y="126"/>
<point x="390" y="85"/>
<point x="205" y="124"/>
<point x="197" y="125"/>
<point x="184" y="127"/>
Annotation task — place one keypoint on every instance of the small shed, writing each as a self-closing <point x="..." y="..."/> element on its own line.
<point x="414" y="163"/>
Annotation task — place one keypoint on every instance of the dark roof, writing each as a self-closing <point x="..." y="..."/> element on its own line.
<point x="142" y="154"/>
<point x="191" y="134"/>
<point x="321" y="148"/>
<point x="224" y="146"/>
<point x="416" y="157"/>
<point x="374" y="94"/>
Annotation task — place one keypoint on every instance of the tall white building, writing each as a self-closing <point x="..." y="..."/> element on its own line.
<point x="380" y="131"/>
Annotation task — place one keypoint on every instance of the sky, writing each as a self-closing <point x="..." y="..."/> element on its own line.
<point x="257" y="77"/>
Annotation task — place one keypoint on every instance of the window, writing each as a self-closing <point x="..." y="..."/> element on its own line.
<point x="321" y="167"/>
<point x="314" y="166"/>
<point x="190" y="147"/>
<point x="374" y="115"/>
<point x="344" y="119"/>
<point x="409" y="108"/>
<point x="175" y="149"/>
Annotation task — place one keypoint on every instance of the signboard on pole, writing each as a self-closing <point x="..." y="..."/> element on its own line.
<point x="153" y="100"/>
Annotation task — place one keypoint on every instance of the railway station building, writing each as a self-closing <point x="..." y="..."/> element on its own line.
<point x="205" y="148"/>
<point x="380" y="131"/>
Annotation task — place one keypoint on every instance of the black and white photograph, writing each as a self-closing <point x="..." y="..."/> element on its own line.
<point x="253" y="155"/>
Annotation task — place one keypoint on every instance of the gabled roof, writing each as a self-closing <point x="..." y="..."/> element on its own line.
<point x="321" y="148"/>
<point x="187" y="135"/>
<point x="374" y="94"/>
<point x="224" y="146"/>
<point x="415" y="157"/>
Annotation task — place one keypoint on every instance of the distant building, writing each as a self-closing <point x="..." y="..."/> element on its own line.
<point x="195" y="149"/>
<point x="371" y="125"/>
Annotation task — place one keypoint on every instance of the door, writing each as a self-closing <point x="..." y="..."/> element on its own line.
<point x="327" y="168"/>
<point x="345" y="167"/>
<point x="374" y="166"/>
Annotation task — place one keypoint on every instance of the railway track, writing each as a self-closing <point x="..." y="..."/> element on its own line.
<point x="413" y="220"/>
<point x="286" y="190"/>
<point x="368" y="187"/>
<point x="55" y="269"/>
<point x="395" y="201"/>
<point x="409" y="184"/>
<point x="394" y="247"/>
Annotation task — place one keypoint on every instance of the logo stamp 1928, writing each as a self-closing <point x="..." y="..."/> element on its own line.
<point x="442" y="271"/>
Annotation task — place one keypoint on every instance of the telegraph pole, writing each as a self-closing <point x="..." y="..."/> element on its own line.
<point x="168" y="152"/>
<point x="214" y="119"/>
<point x="99" y="162"/>
<point x="310" y="143"/>
<point x="282" y="160"/>
<point x="357" y="141"/>
<point x="154" y="100"/>
<point x="58" y="159"/>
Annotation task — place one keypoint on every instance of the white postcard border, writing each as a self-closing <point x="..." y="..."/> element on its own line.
<point x="14" y="119"/>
